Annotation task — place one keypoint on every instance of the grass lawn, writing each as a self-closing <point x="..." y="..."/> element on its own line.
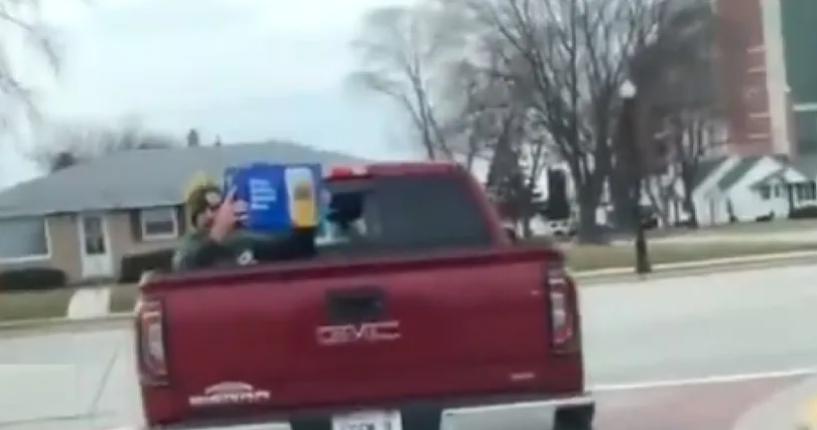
<point x="742" y="228"/>
<point x="34" y="305"/>
<point x="123" y="298"/>
<point x="593" y="257"/>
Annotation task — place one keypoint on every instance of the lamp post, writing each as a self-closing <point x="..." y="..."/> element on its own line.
<point x="629" y="116"/>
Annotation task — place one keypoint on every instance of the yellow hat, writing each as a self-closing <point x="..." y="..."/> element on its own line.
<point x="197" y="185"/>
<point x="196" y="195"/>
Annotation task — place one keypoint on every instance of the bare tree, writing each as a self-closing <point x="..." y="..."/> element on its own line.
<point x="65" y="145"/>
<point x="467" y="127"/>
<point x="483" y="116"/>
<point x="20" y="20"/>
<point x="403" y="53"/>
<point x="676" y="68"/>
<point x="566" y="60"/>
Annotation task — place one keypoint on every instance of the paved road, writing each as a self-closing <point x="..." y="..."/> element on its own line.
<point x="662" y="330"/>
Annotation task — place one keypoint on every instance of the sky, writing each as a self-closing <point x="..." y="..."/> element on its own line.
<point x="247" y="70"/>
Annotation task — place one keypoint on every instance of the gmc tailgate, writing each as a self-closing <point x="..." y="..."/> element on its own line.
<point x="304" y="336"/>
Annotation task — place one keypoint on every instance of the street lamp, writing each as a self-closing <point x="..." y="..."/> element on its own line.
<point x="630" y="138"/>
<point x="628" y="90"/>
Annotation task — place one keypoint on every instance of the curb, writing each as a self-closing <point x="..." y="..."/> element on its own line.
<point x="699" y="267"/>
<point x="760" y="258"/>
<point x="592" y="277"/>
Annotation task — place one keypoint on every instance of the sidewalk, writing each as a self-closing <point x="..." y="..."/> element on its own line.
<point x="89" y="303"/>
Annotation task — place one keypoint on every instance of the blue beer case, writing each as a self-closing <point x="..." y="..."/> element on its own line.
<point x="279" y="197"/>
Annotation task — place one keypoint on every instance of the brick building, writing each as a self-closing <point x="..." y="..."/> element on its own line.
<point x="753" y="76"/>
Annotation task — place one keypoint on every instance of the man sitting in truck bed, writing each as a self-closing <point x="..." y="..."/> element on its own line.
<point x="217" y="237"/>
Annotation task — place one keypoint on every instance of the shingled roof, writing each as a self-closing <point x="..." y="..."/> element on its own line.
<point x="706" y="168"/>
<point x="145" y="178"/>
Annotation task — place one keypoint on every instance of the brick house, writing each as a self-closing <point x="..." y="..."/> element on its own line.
<point x="85" y="218"/>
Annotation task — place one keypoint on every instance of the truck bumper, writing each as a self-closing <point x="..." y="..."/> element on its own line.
<point x="565" y="413"/>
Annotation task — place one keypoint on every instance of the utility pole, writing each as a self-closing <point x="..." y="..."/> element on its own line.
<point x="631" y="138"/>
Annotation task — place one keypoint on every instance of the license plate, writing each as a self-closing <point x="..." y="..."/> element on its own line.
<point x="368" y="420"/>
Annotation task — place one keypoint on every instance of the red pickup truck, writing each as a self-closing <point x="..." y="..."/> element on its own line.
<point x="430" y="314"/>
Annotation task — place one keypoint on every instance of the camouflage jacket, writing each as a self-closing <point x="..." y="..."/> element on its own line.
<point x="198" y="251"/>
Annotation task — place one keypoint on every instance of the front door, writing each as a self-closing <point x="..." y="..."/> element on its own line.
<point x="95" y="252"/>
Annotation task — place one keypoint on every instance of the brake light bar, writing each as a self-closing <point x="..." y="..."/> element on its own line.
<point x="151" y="347"/>
<point x="562" y="320"/>
<point x="347" y="172"/>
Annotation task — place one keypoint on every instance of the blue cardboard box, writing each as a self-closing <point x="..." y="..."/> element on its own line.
<point x="279" y="197"/>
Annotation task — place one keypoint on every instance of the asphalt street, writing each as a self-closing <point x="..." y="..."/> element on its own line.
<point x="659" y="331"/>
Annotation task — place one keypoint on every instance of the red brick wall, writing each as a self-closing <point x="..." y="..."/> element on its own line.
<point x="742" y="69"/>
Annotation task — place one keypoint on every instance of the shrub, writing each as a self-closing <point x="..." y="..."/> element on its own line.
<point x="765" y="218"/>
<point x="32" y="279"/>
<point x="804" y="212"/>
<point x="133" y="266"/>
<point x="685" y="223"/>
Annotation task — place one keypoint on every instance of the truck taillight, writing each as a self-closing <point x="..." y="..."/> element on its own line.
<point x="150" y="332"/>
<point x="562" y="320"/>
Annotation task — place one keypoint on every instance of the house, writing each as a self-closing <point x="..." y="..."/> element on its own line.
<point x="793" y="188"/>
<point x="85" y="218"/>
<point x="745" y="188"/>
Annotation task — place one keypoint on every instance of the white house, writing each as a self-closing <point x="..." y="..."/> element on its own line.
<point x="745" y="188"/>
<point x="750" y="187"/>
<point x="794" y="188"/>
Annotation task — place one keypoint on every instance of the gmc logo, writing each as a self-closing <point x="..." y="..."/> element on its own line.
<point x="382" y="331"/>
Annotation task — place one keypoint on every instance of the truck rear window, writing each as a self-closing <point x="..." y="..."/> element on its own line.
<point x="429" y="211"/>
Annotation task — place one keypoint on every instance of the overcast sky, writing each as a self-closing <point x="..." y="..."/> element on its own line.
<point x="245" y="69"/>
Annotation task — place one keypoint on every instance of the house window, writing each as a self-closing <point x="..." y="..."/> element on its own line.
<point x="765" y="192"/>
<point x="159" y="223"/>
<point x="24" y="239"/>
<point x="776" y="191"/>
<point x="806" y="191"/>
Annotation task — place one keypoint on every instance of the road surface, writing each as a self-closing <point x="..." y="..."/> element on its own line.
<point x="636" y="335"/>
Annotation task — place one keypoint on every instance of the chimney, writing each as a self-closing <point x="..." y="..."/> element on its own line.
<point x="193" y="139"/>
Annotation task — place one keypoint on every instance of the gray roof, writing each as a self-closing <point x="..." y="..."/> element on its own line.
<point x="737" y="172"/>
<point x="779" y="174"/>
<point x="145" y="178"/>
<point x="706" y="168"/>
<point x="744" y="165"/>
